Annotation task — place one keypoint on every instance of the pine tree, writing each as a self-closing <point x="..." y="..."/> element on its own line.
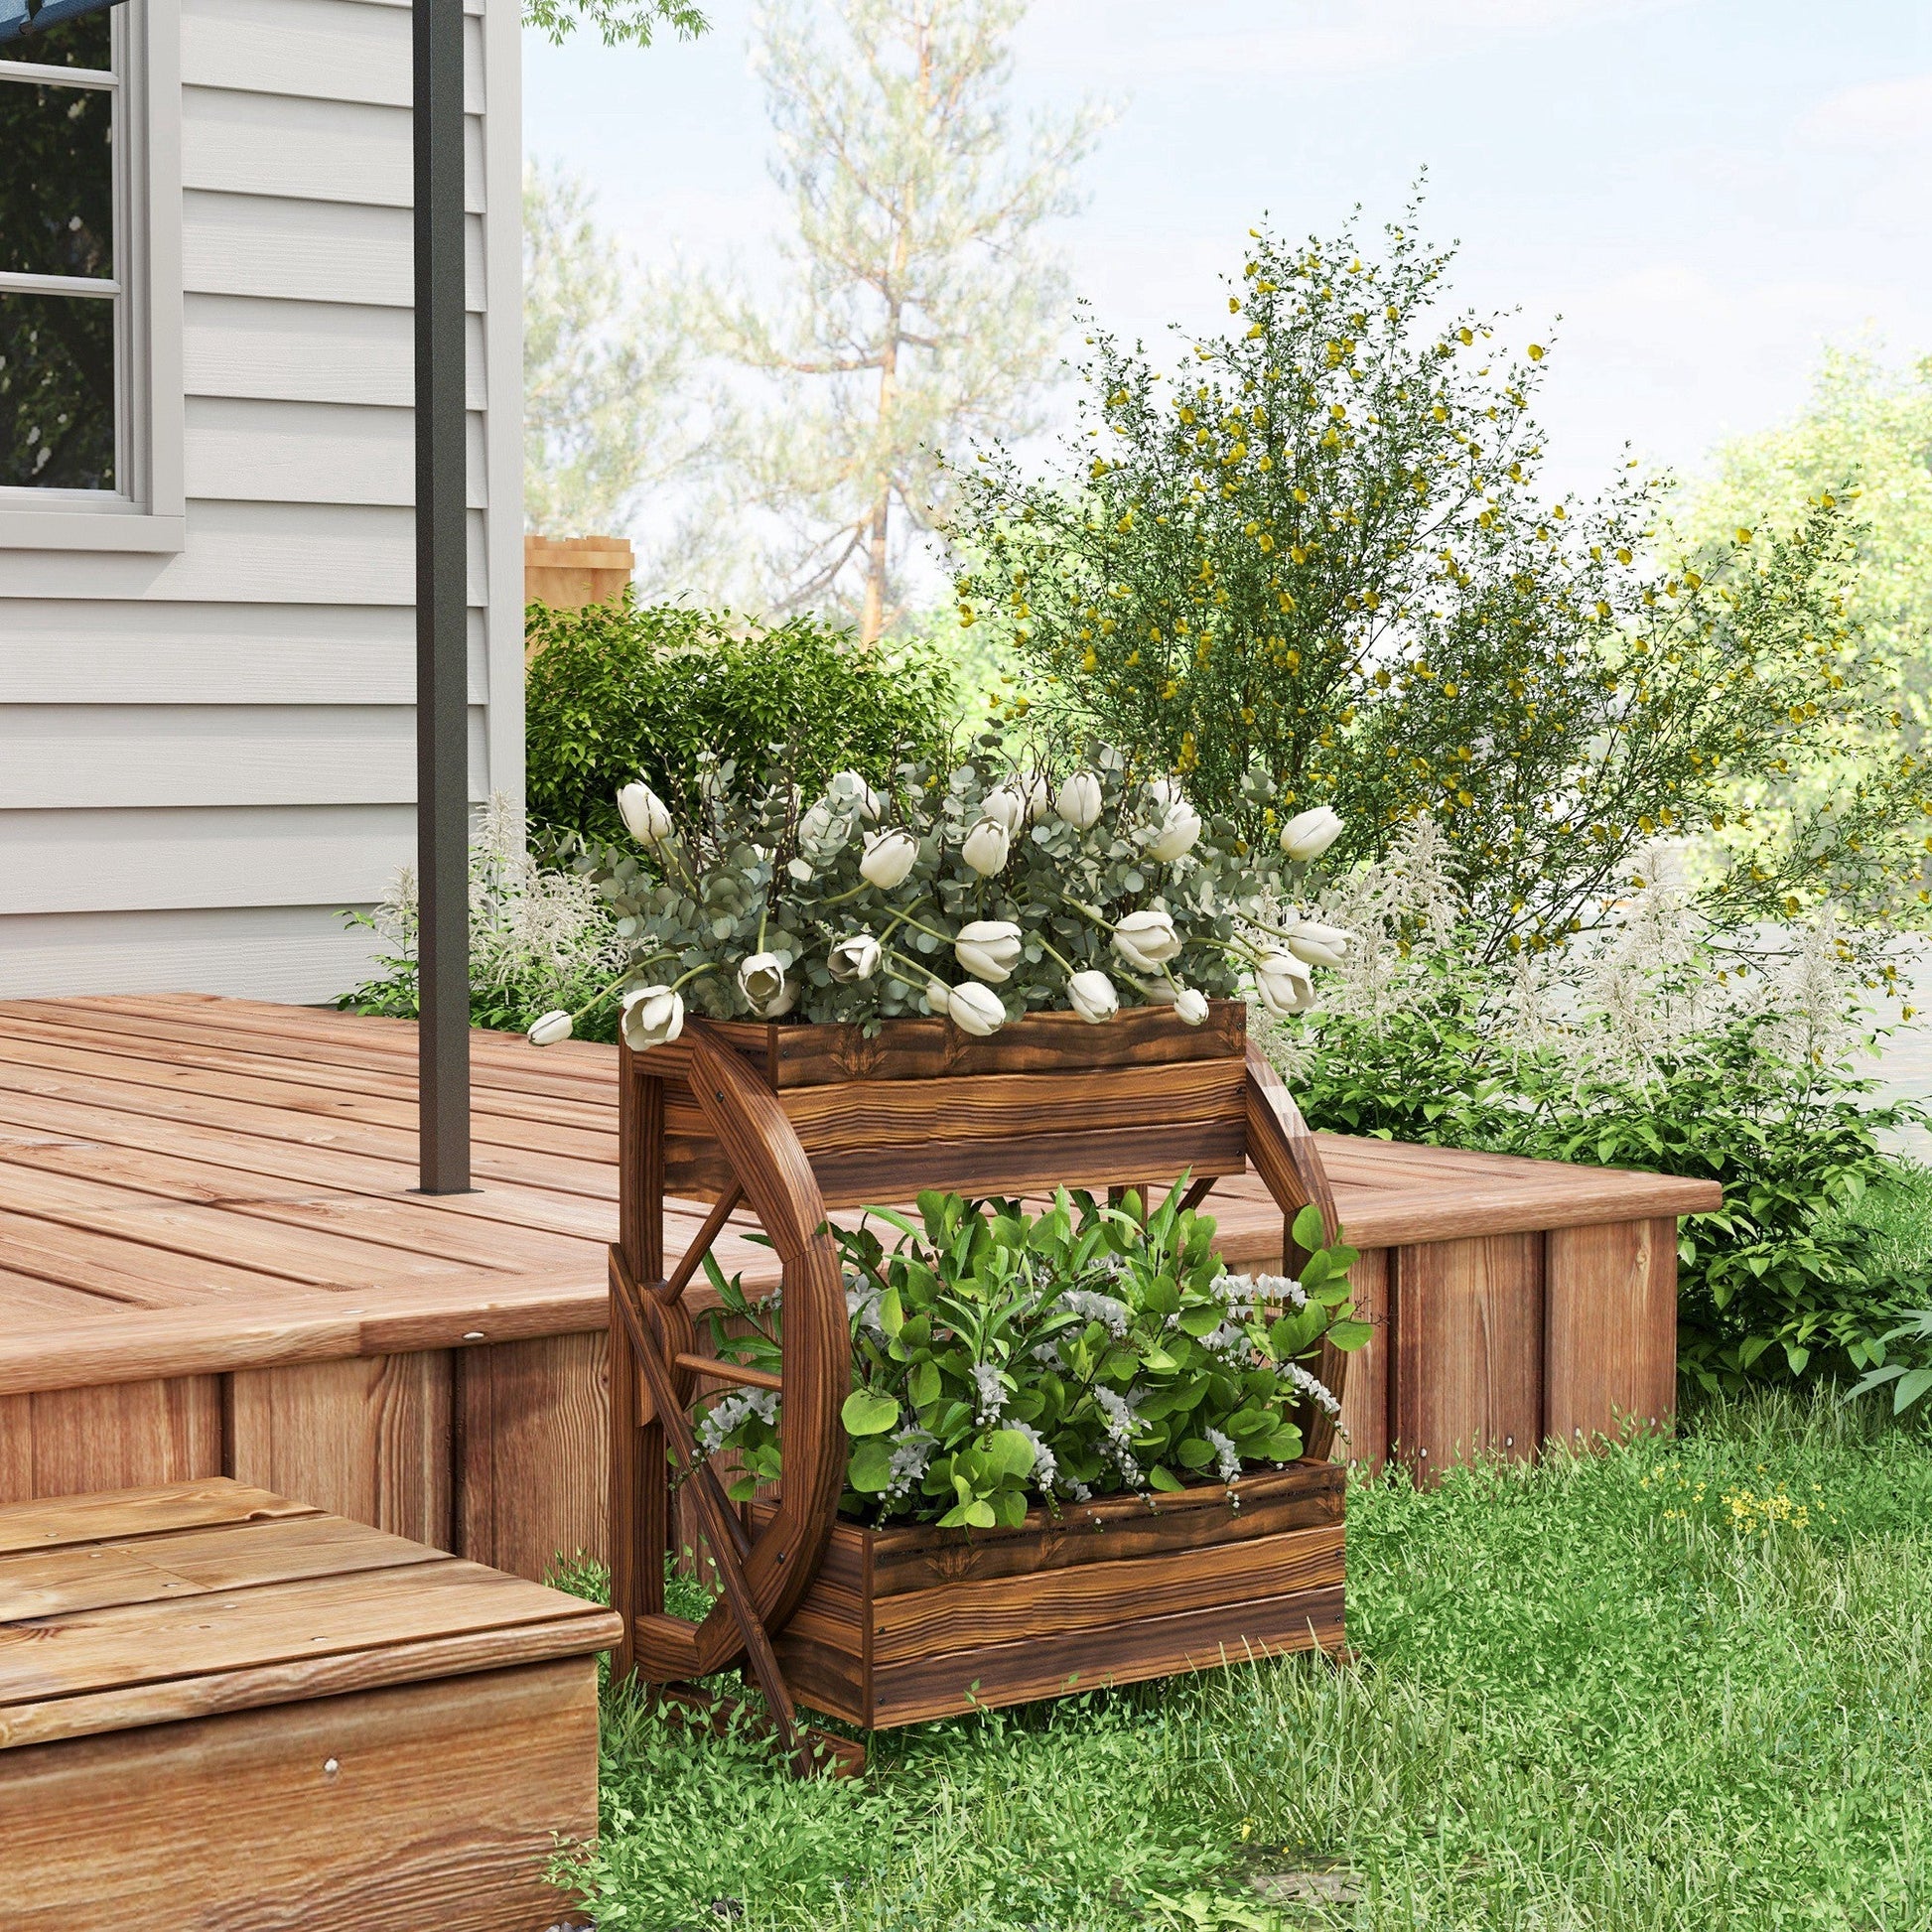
<point x="919" y="306"/>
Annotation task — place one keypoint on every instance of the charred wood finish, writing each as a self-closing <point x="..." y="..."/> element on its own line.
<point x="798" y="1120"/>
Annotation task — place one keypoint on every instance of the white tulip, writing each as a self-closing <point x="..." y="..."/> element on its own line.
<point x="1177" y="833"/>
<point x="854" y="958"/>
<point x="986" y="847"/>
<point x="653" y="1017"/>
<point x="1307" y="835"/>
<point x="850" y="785"/>
<point x="889" y="857"/>
<point x="1038" y="795"/>
<point x="1163" y="792"/>
<point x="989" y="949"/>
<point x="761" y="979"/>
<point x="1147" y="940"/>
<point x="1284" y="985"/>
<point x="1006" y="805"/>
<point x="1190" y="1005"/>
<point x="973" y="1010"/>
<point x="938" y="997"/>
<point x="1161" y="992"/>
<point x="1318" y="944"/>
<point x="1080" y="800"/>
<point x="550" y="1029"/>
<point x="1093" y="997"/>
<point x="646" y="815"/>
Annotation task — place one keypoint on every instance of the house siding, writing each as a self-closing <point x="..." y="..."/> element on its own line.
<point x="206" y="756"/>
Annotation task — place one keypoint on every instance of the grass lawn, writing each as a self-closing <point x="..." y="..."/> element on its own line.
<point x="1685" y="1684"/>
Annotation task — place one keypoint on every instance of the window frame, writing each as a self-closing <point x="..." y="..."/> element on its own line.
<point x="146" y="511"/>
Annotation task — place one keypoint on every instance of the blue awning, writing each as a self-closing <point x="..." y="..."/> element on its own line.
<point x="18" y="17"/>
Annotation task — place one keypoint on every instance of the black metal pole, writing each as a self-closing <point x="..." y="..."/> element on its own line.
<point x="442" y="605"/>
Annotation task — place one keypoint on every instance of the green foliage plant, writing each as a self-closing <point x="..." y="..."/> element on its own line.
<point x="1323" y="547"/>
<point x="1000" y="1358"/>
<point x="623" y="691"/>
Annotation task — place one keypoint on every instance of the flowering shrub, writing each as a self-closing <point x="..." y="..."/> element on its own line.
<point x="1652" y="1042"/>
<point x="1000" y="1357"/>
<point x="981" y="893"/>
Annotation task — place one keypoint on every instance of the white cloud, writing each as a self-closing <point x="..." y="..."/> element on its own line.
<point x="1883" y="116"/>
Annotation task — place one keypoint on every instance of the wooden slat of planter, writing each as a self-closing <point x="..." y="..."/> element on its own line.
<point x="1469" y="1349"/>
<point x="1093" y="1597"/>
<point x="1124" y="1654"/>
<point x="154" y="1511"/>
<point x="1610" y="1329"/>
<point x="929" y="1048"/>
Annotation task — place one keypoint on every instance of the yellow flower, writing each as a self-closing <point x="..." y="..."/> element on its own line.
<point x="1536" y="351"/>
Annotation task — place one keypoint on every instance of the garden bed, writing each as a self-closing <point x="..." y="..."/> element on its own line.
<point x="914" y="1622"/>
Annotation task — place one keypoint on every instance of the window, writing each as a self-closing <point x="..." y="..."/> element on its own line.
<point x="78" y="338"/>
<point x="60" y="306"/>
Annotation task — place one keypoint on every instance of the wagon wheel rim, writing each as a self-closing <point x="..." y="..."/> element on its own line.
<point x="774" y="1177"/>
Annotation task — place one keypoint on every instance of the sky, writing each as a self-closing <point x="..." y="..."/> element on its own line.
<point x="1686" y="198"/>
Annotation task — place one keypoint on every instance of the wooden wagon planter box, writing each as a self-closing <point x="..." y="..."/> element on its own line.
<point x="798" y="1120"/>
<point x="912" y="1622"/>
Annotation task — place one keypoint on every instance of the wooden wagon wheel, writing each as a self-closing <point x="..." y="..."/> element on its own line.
<point x="655" y="1366"/>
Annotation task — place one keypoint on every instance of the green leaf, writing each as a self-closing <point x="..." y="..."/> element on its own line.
<point x="1160" y="1478"/>
<point x="1306" y="1229"/>
<point x="1010" y="1453"/>
<point x="1910" y="1388"/>
<point x="869" y="1413"/>
<point x="1195" y="1454"/>
<point x="1348" y="1336"/>
<point x="924" y="1385"/>
<point x="870" y="1466"/>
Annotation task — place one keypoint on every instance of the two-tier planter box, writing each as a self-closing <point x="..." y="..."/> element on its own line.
<point x="890" y="1626"/>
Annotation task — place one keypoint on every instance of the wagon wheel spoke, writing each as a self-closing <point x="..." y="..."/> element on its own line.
<point x="722" y="1209"/>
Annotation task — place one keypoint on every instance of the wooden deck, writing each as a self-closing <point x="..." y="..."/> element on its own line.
<point x="213" y="1261"/>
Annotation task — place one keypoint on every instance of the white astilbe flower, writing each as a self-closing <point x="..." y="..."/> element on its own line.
<point x="1048" y="1354"/>
<point x="1121" y="1424"/>
<point x="1311" y="1386"/>
<point x="1227" y="1458"/>
<point x="862" y="1305"/>
<point x="1112" y="1316"/>
<point x="1047" y="1466"/>
<point x="1251" y="1294"/>
<point x="911" y="1455"/>
<point x="723" y="1416"/>
<point x="991" y="1388"/>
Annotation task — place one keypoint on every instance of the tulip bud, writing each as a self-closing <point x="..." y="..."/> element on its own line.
<point x="1147" y="940"/>
<point x="653" y="1017"/>
<point x="550" y="1029"/>
<point x="974" y="1009"/>
<point x="761" y="979"/>
<point x="1177" y="832"/>
<point x="938" y="997"/>
<point x="1190" y="1005"/>
<point x="1092" y="996"/>
<point x="854" y="958"/>
<point x="1318" y="945"/>
<point x="850" y="785"/>
<point x="1163" y="792"/>
<point x="1006" y="806"/>
<point x="986" y="847"/>
<point x="1284" y="985"/>
<point x="989" y="949"/>
<point x="889" y="857"/>
<point x="646" y="815"/>
<point x="1307" y="835"/>
<point x="1080" y="800"/>
<point x="1038" y="795"/>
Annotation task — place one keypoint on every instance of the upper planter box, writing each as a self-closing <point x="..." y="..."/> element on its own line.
<point x="1048" y="1100"/>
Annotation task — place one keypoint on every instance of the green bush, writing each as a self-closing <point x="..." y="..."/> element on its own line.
<point x="621" y="691"/>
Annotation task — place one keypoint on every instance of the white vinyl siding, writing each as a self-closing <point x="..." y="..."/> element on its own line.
<point x="206" y="756"/>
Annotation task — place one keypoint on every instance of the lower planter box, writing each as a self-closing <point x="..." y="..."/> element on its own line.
<point x="904" y="1624"/>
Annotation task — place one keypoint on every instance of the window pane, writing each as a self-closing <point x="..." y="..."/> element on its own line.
<point x="57" y="393"/>
<point x="56" y="180"/>
<point x="84" y="42"/>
